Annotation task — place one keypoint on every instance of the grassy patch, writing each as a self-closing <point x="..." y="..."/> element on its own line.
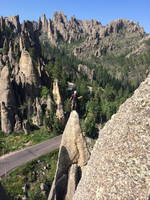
<point x="32" y="174"/>
<point x="17" y="141"/>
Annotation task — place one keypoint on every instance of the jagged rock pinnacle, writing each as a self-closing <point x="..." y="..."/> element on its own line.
<point x="73" y="155"/>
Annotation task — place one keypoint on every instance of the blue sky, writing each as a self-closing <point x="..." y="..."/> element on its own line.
<point x="103" y="10"/>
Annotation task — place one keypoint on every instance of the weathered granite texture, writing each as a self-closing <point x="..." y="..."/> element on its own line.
<point x="119" y="166"/>
<point x="73" y="156"/>
<point x="27" y="68"/>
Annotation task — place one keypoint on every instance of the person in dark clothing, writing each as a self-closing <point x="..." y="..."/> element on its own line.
<point x="74" y="100"/>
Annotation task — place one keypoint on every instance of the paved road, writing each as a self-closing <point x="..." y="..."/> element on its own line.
<point x="15" y="159"/>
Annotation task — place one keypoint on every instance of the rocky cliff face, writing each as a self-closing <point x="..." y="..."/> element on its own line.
<point x="20" y="73"/>
<point x="21" y="51"/>
<point x="6" y="91"/>
<point x="7" y="101"/>
<point x="119" y="164"/>
<point x="73" y="156"/>
<point x="27" y="70"/>
<point x="90" y="31"/>
<point x="10" y="23"/>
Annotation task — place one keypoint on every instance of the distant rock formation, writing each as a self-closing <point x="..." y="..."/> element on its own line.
<point x="6" y="120"/>
<point x="6" y="92"/>
<point x="117" y="25"/>
<point x="57" y="99"/>
<point x="86" y="71"/>
<point x="25" y="62"/>
<point x="73" y="156"/>
<point x="38" y="118"/>
<point x="119" y="164"/>
<point x="18" y="125"/>
<point x="27" y="68"/>
<point x="7" y="101"/>
<point x="11" y="23"/>
<point x="60" y="28"/>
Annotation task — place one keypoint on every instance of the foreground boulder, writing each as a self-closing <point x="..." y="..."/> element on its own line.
<point x="119" y="164"/>
<point x="73" y="156"/>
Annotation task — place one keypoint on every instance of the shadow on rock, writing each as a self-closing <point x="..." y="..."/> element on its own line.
<point x="62" y="177"/>
<point x="3" y="195"/>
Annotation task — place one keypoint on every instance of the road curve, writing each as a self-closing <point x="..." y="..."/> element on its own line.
<point x="15" y="159"/>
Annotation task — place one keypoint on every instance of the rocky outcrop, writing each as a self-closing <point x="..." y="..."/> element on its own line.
<point x="7" y="101"/>
<point x="57" y="99"/>
<point x="119" y="25"/>
<point x="6" y="120"/>
<point x="27" y="60"/>
<point x="119" y="164"/>
<point x="13" y="21"/>
<point x="86" y="71"/>
<point x="38" y="118"/>
<point x="27" y="70"/>
<point x="10" y="23"/>
<point x="140" y="48"/>
<point x="6" y="91"/>
<point x="60" y="24"/>
<point x="18" y="125"/>
<point x="73" y="156"/>
<point x="43" y="23"/>
<point x="60" y="28"/>
<point x="101" y="39"/>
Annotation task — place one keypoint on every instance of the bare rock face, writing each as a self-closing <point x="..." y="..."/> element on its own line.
<point x="91" y="26"/>
<point x="86" y="71"/>
<point x="38" y="118"/>
<point x="60" y="22"/>
<point x="119" y="164"/>
<point x="18" y="125"/>
<point x="73" y="156"/>
<point x="98" y="40"/>
<point x="27" y="69"/>
<point x="5" y="87"/>
<point x="6" y="123"/>
<point x="44" y="23"/>
<point x="68" y="30"/>
<point x="57" y="99"/>
<point x="7" y="101"/>
<point x="10" y="22"/>
<point x="117" y="25"/>
<point x="14" y="20"/>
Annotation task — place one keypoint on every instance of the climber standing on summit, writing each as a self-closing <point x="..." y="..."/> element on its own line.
<point x="74" y="100"/>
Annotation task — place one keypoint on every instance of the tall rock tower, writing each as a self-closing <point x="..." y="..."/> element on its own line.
<point x="73" y="156"/>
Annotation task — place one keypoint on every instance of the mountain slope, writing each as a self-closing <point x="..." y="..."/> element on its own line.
<point x="104" y="63"/>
